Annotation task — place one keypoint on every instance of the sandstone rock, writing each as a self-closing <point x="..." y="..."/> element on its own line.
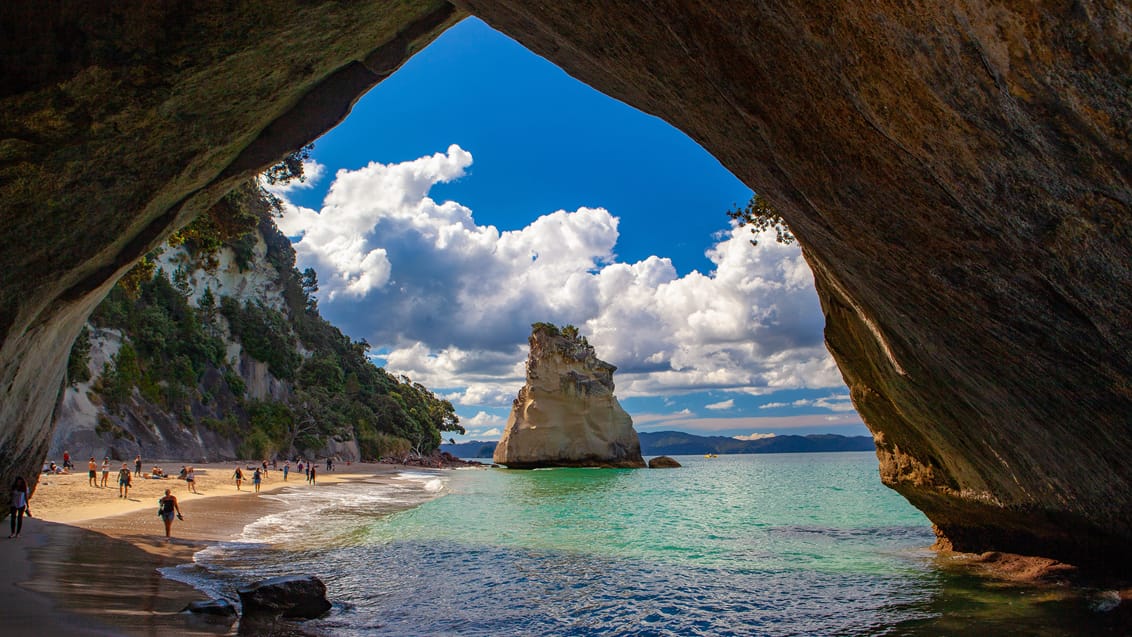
<point x="664" y="462"/>
<point x="566" y="414"/>
<point x="289" y="596"/>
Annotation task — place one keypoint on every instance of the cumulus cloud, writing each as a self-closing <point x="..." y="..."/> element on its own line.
<point x="725" y="404"/>
<point x="452" y="301"/>
<point x="839" y="402"/>
<point x="753" y="436"/>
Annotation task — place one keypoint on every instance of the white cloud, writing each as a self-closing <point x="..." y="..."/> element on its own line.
<point x="754" y="436"/>
<point x="840" y="402"/>
<point x="453" y="300"/>
<point x="772" y="405"/>
<point x="482" y="419"/>
<point x="726" y="404"/>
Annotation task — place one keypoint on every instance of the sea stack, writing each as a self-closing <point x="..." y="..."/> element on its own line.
<point x="566" y="414"/>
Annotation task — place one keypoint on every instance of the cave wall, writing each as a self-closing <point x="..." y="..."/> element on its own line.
<point x="958" y="175"/>
<point x="120" y="120"/>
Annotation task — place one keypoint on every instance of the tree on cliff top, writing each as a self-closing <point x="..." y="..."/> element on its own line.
<point x="761" y="215"/>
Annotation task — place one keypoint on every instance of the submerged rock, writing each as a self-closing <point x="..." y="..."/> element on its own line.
<point x="217" y="607"/>
<point x="664" y="462"/>
<point x="289" y="596"/>
<point x="566" y="414"/>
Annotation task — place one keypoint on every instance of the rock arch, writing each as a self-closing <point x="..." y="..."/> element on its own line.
<point x="958" y="176"/>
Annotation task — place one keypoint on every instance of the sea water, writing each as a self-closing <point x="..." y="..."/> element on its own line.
<point x="782" y="544"/>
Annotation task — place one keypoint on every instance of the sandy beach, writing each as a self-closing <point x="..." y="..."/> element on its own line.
<point x="87" y="562"/>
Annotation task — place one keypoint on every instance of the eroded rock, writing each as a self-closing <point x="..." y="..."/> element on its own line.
<point x="289" y="597"/>
<point x="566" y="414"/>
<point x="664" y="462"/>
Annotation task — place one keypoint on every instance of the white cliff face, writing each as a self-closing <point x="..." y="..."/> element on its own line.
<point x="566" y="414"/>
<point x="260" y="282"/>
<point x="82" y="423"/>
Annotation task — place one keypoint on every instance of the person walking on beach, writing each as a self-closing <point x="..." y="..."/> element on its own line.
<point x="124" y="481"/>
<point x="93" y="468"/>
<point x="310" y="476"/>
<point x="137" y="466"/>
<point x="256" y="478"/>
<point x="105" y="472"/>
<point x="19" y="505"/>
<point x="329" y="464"/>
<point x="286" y="470"/>
<point x="168" y="506"/>
<point x="239" y="476"/>
<point x="191" y="479"/>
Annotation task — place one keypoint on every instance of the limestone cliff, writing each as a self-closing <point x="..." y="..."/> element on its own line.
<point x="566" y="414"/>
<point x="958" y="175"/>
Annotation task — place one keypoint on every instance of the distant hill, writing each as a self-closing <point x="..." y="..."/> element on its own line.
<point x="677" y="443"/>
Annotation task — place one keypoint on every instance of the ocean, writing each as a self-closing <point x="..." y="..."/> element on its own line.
<point x="775" y="544"/>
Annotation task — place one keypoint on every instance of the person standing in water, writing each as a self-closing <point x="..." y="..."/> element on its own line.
<point x="19" y="505"/>
<point x="168" y="508"/>
<point x="105" y="472"/>
<point x="239" y="476"/>
<point x="124" y="481"/>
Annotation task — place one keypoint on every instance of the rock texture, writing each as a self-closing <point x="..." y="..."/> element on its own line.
<point x="566" y="414"/>
<point x="958" y="175"/>
<point x="288" y="596"/>
<point x="664" y="462"/>
<point x="121" y="121"/>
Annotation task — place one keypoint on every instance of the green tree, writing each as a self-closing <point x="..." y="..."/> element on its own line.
<point x="760" y="215"/>
<point x="78" y="362"/>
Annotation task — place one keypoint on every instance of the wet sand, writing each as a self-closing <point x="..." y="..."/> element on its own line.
<point x="87" y="563"/>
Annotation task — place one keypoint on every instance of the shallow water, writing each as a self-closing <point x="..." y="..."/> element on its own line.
<point x="784" y="544"/>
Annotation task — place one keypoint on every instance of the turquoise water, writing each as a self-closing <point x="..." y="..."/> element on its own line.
<point x="784" y="544"/>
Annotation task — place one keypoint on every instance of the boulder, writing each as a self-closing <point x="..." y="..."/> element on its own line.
<point x="664" y="462"/>
<point x="289" y="596"/>
<point x="217" y="607"/>
<point x="566" y="414"/>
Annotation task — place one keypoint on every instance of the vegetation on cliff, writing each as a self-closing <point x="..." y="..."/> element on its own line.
<point x="175" y="339"/>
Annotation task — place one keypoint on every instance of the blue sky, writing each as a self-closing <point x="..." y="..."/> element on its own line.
<point x="480" y="189"/>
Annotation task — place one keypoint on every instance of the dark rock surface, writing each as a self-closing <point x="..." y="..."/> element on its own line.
<point x="664" y="462"/>
<point x="958" y="175"/>
<point x="216" y="607"/>
<point x="289" y="596"/>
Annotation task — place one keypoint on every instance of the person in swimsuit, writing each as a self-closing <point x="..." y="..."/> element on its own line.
<point x="123" y="481"/>
<point x="137" y="466"/>
<point x="19" y="505"/>
<point x="167" y="509"/>
<point x="239" y="476"/>
<point x="191" y="479"/>
<point x="256" y="478"/>
<point x="105" y="471"/>
<point x="93" y="468"/>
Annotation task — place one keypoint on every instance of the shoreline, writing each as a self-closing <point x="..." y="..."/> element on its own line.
<point x="89" y="560"/>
